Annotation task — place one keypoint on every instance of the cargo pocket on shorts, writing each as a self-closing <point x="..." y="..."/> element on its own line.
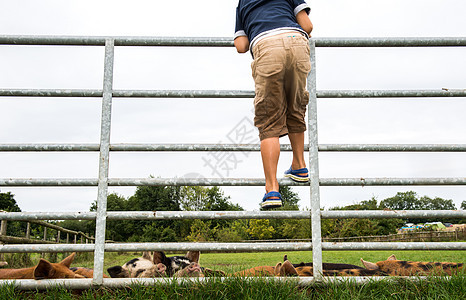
<point x="268" y="70"/>
<point x="263" y="76"/>
<point x="304" y="66"/>
<point x="305" y="100"/>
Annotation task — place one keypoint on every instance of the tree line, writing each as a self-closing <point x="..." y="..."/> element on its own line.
<point x="196" y="198"/>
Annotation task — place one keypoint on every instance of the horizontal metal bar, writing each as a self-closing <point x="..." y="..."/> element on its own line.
<point x="183" y="94"/>
<point x="225" y="41"/>
<point x="391" y="93"/>
<point x="119" y="41"/>
<point x="395" y="246"/>
<point x="44" y="284"/>
<point x="228" y="93"/>
<point x="385" y="214"/>
<point x="235" y="147"/>
<point x="48" y="147"/>
<point x="156" y="215"/>
<point x="360" y="214"/>
<point x="228" y="215"/>
<point x="135" y="147"/>
<point x="129" y="247"/>
<point x="128" y="93"/>
<point x="229" y="182"/>
<point x="36" y="248"/>
<point x="392" y="147"/>
<point x="32" y="216"/>
<point x="391" y="181"/>
<point x="238" y="247"/>
<point x="391" y="42"/>
<point x="81" y="284"/>
<point x="50" y="93"/>
<point x="48" y="182"/>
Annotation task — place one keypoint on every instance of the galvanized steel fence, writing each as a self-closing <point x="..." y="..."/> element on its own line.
<point x="104" y="148"/>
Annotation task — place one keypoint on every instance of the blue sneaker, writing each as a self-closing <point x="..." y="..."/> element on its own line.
<point x="300" y="175"/>
<point x="275" y="202"/>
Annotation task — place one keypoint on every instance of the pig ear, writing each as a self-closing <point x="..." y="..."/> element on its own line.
<point x="277" y="271"/>
<point x="43" y="270"/>
<point x="392" y="257"/>
<point x="68" y="260"/>
<point x="288" y="269"/>
<point x="146" y="255"/>
<point x="159" y="257"/>
<point x="193" y="256"/>
<point x="369" y="265"/>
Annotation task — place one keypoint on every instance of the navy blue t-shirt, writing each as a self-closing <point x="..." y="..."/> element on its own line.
<point x="258" y="17"/>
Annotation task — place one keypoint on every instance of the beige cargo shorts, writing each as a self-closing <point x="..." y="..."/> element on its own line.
<point x="280" y="68"/>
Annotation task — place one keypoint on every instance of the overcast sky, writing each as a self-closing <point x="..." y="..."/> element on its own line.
<point x="343" y="121"/>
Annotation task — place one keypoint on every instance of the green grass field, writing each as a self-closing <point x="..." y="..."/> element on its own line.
<point x="453" y="288"/>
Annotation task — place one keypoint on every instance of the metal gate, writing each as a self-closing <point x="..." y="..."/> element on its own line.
<point x="104" y="148"/>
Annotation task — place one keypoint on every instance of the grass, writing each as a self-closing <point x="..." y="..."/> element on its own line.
<point x="237" y="288"/>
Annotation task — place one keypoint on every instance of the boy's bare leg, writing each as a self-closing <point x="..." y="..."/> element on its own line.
<point x="270" y="152"/>
<point x="297" y="144"/>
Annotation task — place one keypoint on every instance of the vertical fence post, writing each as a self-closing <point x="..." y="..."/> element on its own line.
<point x="3" y="227"/>
<point x="314" y="166"/>
<point x="28" y="230"/>
<point x="3" y="232"/>
<point x="101" y="217"/>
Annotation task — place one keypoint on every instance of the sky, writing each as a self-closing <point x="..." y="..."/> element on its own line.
<point x="340" y="121"/>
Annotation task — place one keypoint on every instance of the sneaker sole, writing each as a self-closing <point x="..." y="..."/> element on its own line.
<point x="296" y="178"/>
<point x="271" y="204"/>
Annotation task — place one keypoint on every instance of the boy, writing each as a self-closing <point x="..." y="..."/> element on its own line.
<point x="276" y="32"/>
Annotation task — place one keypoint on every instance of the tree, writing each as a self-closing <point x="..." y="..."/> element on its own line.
<point x="436" y="203"/>
<point x="235" y="232"/>
<point x="402" y="201"/>
<point x="156" y="198"/>
<point x="118" y="230"/>
<point x="411" y="201"/>
<point x="152" y="232"/>
<point x="360" y="227"/>
<point x="290" y="199"/>
<point x="296" y="229"/>
<point x="463" y="205"/>
<point x="260" y="229"/>
<point x="199" y="198"/>
<point x="201" y="231"/>
<point x="8" y="203"/>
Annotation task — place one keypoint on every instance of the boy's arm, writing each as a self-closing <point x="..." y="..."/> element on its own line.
<point x="241" y="44"/>
<point x="304" y="21"/>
